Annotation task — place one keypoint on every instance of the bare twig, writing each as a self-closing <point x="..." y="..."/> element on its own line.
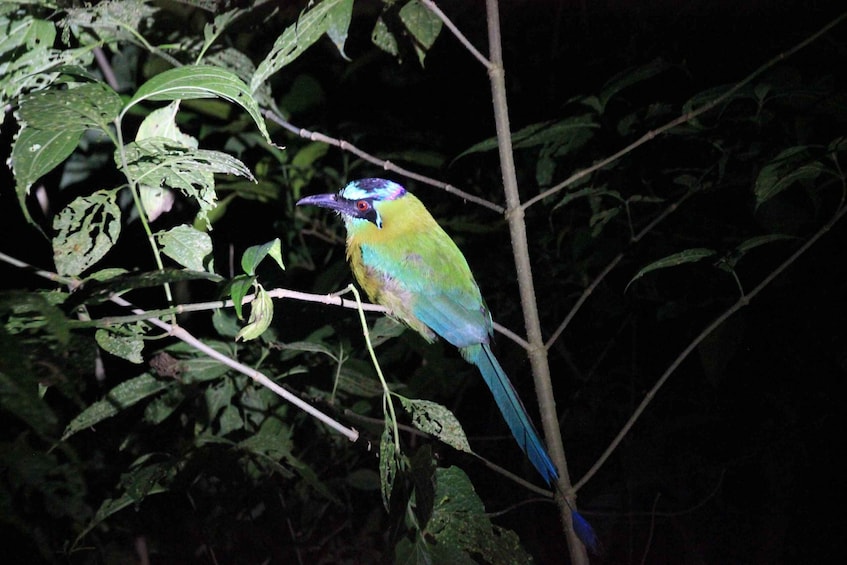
<point x="186" y="337"/>
<point x="432" y="7"/>
<point x="386" y="165"/>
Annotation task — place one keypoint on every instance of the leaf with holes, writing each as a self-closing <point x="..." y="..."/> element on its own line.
<point x="437" y="420"/>
<point x="185" y="245"/>
<point x="87" y="229"/>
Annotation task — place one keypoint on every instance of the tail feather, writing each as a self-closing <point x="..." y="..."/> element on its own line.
<point x="512" y="409"/>
<point x="585" y="533"/>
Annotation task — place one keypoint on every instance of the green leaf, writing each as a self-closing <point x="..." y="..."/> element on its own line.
<point x="161" y="123"/>
<point x="200" y="81"/>
<point x="186" y="245"/>
<point x="434" y="419"/>
<point x="382" y="37"/>
<point x="422" y="24"/>
<point x="19" y="397"/>
<point x="87" y="229"/>
<point x="254" y="255"/>
<point x="126" y="345"/>
<point x="261" y="315"/>
<point x="681" y="258"/>
<point x="218" y="396"/>
<point x="754" y="242"/>
<point x="119" y="398"/>
<point x="34" y="154"/>
<point x="460" y="527"/>
<point x="388" y="463"/>
<point x="794" y="164"/>
<point x="87" y="106"/>
<point x="544" y="132"/>
<point x="627" y="78"/>
<point x="201" y="369"/>
<point x="238" y="289"/>
<point x="301" y="35"/>
<point x="339" y="24"/>
<point x="157" y="162"/>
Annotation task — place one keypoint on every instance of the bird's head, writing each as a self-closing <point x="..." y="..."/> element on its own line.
<point x="359" y="200"/>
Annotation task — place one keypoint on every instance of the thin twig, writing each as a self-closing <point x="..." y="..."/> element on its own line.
<point x="385" y="164"/>
<point x="183" y="335"/>
<point x="431" y="6"/>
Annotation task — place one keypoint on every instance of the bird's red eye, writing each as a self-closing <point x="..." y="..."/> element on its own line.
<point x="363" y="205"/>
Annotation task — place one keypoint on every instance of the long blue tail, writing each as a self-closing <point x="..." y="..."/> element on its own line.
<point x="512" y="409"/>
<point x="518" y="420"/>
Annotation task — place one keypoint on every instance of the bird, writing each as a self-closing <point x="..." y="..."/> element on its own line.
<point x="406" y="262"/>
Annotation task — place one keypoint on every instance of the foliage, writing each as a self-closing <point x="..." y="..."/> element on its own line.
<point x="139" y="151"/>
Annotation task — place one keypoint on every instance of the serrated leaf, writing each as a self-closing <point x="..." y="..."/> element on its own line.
<point x="261" y="315"/>
<point x="87" y="229"/>
<point x="254" y="255"/>
<point x="434" y="419"/>
<point x="186" y="245"/>
<point x="201" y="81"/>
<point x="87" y="106"/>
<point x="119" y="398"/>
<point x="681" y="258"/>
<point x="299" y="36"/>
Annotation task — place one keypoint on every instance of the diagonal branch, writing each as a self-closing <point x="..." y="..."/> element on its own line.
<point x="740" y="303"/>
<point x="385" y="164"/>
<point x="688" y="116"/>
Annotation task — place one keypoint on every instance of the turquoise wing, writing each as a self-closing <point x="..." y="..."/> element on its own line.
<point x="440" y="289"/>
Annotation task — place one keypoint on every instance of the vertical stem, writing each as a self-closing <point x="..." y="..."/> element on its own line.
<point x="520" y="249"/>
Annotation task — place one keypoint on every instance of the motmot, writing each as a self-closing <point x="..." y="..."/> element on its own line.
<point x="406" y="262"/>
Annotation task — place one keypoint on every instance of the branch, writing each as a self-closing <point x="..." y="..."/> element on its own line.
<point x="740" y="303"/>
<point x="685" y="117"/>
<point x="612" y="264"/>
<point x="257" y="376"/>
<point x="431" y="6"/>
<point x="520" y="249"/>
<point x="186" y="337"/>
<point x="386" y="165"/>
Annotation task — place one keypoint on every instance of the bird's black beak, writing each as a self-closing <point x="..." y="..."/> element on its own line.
<point x="330" y="201"/>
